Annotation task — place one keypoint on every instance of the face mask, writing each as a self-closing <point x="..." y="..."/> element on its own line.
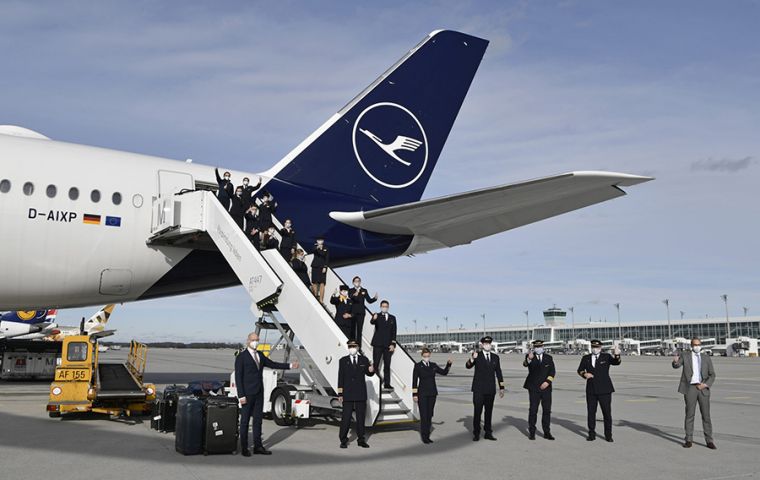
<point x="696" y="348"/>
<point x="539" y="350"/>
<point x="271" y="198"/>
<point x="287" y="224"/>
<point x="357" y="284"/>
<point x="245" y="182"/>
<point x="596" y="351"/>
<point x="301" y="257"/>
<point x="271" y="232"/>
<point x="320" y="242"/>
<point x="227" y="177"/>
<point x="238" y="193"/>
<point x="254" y="344"/>
<point x="487" y="347"/>
<point x="343" y="293"/>
<point x="427" y="359"/>
<point x="384" y="309"/>
<point x="352" y="351"/>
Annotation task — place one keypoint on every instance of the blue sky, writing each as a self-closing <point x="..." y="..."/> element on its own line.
<point x="668" y="89"/>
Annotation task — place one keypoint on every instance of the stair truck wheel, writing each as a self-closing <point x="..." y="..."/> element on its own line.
<point x="282" y="404"/>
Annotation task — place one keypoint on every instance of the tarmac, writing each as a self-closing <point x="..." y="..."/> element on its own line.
<point x="647" y="412"/>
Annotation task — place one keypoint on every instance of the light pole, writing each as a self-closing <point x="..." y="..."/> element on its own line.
<point x="483" y="316"/>
<point x="746" y="309"/>
<point x="572" y="319"/>
<point x="667" y="307"/>
<point x="682" y="313"/>
<point x="728" y="322"/>
<point x="415" y="330"/>
<point x="446" y="321"/>
<point x="527" y="329"/>
<point x="620" y="326"/>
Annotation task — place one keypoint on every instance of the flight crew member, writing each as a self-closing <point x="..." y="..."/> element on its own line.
<point x="352" y="392"/>
<point x="267" y="208"/>
<point x="253" y="225"/>
<point x="539" y="381"/>
<point x="249" y="191"/>
<point x="486" y="365"/>
<point x="288" y="241"/>
<point x="249" y="365"/>
<point x="319" y="265"/>
<point x="359" y="296"/>
<point x="697" y="378"/>
<point x="299" y="266"/>
<point x="425" y="392"/>
<point x="237" y="207"/>
<point x="342" y="304"/>
<point x="384" y="341"/>
<point x="269" y="239"/>
<point x="225" y="192"/>
<point x="595" y="368"/>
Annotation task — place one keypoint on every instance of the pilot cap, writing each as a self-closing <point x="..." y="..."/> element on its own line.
<point x="352" y="343"/>
<point x="538" y="343"/>
<point x="486" y="339"/>
<point x="596" y="343"/>
<point x="343" y="287"/>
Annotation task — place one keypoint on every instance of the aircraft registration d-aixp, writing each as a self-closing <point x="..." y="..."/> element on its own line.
<point x="73" y="215"/>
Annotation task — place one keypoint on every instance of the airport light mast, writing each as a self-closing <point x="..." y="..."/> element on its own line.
<point x="620" y="327"/>
<point x="483" y="316"/>
<point x="446" y="321"/>
<point x="527" y="329"/>
<point x="415" y="330"/>
<point x="667" y="307"/>
<point x="572" y="320"/>
<point x="728" y="322"/>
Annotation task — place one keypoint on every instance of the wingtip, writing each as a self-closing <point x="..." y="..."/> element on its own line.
<point x="620" y="179"/>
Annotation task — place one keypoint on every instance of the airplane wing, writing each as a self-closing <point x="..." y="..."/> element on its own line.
<point x="459" y="219"/>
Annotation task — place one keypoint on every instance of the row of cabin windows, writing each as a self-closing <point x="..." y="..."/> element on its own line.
<point x="51" y="191"/>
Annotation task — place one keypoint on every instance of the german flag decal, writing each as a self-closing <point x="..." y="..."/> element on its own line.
<point x="91" y="219"/>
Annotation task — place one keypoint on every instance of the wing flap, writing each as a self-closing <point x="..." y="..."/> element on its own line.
<point x="461" y="218"/>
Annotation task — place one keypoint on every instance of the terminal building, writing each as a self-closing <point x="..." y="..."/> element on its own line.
<point x="556" y="329"/>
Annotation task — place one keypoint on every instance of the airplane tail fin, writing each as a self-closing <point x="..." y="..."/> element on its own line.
<point x="380" y="149"/>
<point x="97" y="322"/>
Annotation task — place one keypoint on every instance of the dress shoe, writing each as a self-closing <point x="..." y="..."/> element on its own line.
<point x="531" y="435"/>
<point x="548" y="436"/>
<point x="261" y="451"/>
<point x="609" y="438"/>
<point x="591" y="437"/>
<point x="343" y="444"/>
<point x="246" y="452"/>
<point x="387" y="387"/>
<point x="476" y="437"/>
<point x="687" y="444"/>
<point x="488" y="436"/>
<point x="711" y="446"/>
<point x="362" y="444"/>
<point x="426" y="440"/>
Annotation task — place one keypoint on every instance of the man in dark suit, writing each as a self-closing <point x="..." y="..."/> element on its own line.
<point x="595" y="368"/>
<point x="359" y="296"/>
<point x="267" y="209"/>
<point x="248" y="192"/>
<point x="253" y="226"/>
<point x="384" y="341"/>
<point x="486" y="366"/>
<point x="352" y="392"/>
<point x="226" y="189"/>
<point x="238" y="208"/>
<point x="425" y="392"/>
<point x="539" y="381"/>
<point x="249" y="366"/>
<point x="288" y="242"/>
<point x="697" y="378"/>
<point x="342" y="303"/>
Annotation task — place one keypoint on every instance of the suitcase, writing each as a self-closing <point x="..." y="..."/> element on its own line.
<point x="168" y="407"/>
<point x="189" y="436"/>
<point x="155" y="415"/>
<point x="221" y="425"/>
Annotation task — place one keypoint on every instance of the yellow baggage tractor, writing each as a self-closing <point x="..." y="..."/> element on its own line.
<point x="83" y="384"/>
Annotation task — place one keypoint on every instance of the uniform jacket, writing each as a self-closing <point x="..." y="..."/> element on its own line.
<point x="237" y="206"/>
<point x="248" y="377"/>
<point x="321" y="257"/>
<point x="539" y="372"/>
<point x="359" y="296"/>
<point x="248" y="194"/>
<point x="300" y="268"/>
<point x="225" y="190"/>
<point x="483" y="379"/>
<point x="707" y="372"/>
<point x="287" y="241"/>
<point x="601" y="384"/>
<point x="341" y="307"/>
<point x="385" y="330"/>
<point x="351" y="384"/>
<point x="267" y="210"/>
<point x="423" y="378"/>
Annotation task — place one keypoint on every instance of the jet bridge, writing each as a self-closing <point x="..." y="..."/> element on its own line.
<point x="197" y="220"/>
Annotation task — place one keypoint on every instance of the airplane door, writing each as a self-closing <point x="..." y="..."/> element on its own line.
<point x="170" y="182"/>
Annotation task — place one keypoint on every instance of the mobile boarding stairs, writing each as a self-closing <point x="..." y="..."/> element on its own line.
<point x="197" y="220"/>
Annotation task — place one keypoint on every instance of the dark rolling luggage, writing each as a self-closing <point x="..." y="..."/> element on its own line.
<point x="221" y="425"/>
<point x="155" y="415"/>
<point x="168" y="407"/>
<point x="189" y="427"/>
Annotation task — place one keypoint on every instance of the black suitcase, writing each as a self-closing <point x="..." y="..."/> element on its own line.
<point x="189" y="436"/>
<point x="221" y="425"/>
<point x="155" y="414"/>
<point x="168" y="407"/>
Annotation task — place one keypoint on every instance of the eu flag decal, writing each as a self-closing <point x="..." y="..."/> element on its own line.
<point x="113" y="221"/>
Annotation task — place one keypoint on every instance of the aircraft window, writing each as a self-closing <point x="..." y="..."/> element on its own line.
<point x="73" y="193"/>
<point x="95" y="196"/>
<point x="5" y="186"/>
<point x="77" y="352"/>
<point x="51" y="191"/>
<point x="116" y="198"/>
<point x="28" y="188"/>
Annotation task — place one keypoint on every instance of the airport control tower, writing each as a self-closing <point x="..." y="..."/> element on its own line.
<point x="554" y="317"/>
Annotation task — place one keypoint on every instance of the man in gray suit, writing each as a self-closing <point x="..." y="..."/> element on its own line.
<point x="697" y="378"/>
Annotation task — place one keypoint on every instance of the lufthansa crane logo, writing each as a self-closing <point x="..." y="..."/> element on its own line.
<point x="390" y="144"/>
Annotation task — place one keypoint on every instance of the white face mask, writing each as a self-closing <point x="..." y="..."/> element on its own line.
<point x="539" y="350"/>
<point x="344" y="293"/>
<point x="270" y="232"/>
<point x="253" y="344"/>
<point x="427" y="359"/>
<point x="357" y="284"/>
<point x="352" y="350"/>
<point x="245" y="182"/>
<point x="238" y="193"/>
<point x="487" y="347"/>
<point x="384" y="309"/>
<point x="696" y="348"/>
<point x="287" y="224"/>
<point x="320" y="242"/>
<point x="596" y="351"/>
<point x="227" y="178"/>
<point x="301" y="257"/>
